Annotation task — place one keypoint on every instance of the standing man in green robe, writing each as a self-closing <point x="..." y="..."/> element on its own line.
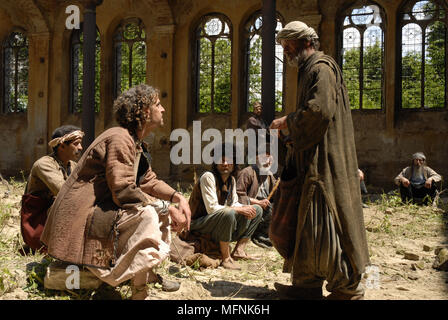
<point x="330" y="236"/>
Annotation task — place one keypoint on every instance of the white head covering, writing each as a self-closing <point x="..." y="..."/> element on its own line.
<point x="418" y="155"/>
<point x="68" y="137"/>
<point x="296" y="30"/>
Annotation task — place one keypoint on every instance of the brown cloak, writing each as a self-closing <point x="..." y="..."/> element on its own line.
<point x="324" y="154"/>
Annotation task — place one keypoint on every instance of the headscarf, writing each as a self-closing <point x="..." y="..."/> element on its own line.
<point x="78" y="134"/>
<point x="296" y="30"/>
<point x="418" y="155"/>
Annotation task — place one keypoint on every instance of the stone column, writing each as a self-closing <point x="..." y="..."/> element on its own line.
<point x="268" y="60"/>
<point x="88" y="97"/>
<point x="37" y="113"/>
<point x="160" y="67"/>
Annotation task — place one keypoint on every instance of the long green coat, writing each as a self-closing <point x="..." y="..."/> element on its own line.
<point x="324" y="155"/>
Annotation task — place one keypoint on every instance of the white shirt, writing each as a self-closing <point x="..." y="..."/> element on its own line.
<point x="210" y="194"/>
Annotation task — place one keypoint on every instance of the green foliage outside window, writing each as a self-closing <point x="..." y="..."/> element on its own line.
<point x="78" y="72"/>
<point x="431" y="68"/>
<point x="15" y="72"/>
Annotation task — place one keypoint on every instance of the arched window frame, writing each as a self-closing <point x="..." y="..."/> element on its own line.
<point x="404" y="18"/>
<point x="197" y="34"/>
<point x="250" y="30"/>
<point x="17" y="49"/>
<point x="76" y="74"/>
<point x="119" y="39"/>
<point x="345" y="21"/>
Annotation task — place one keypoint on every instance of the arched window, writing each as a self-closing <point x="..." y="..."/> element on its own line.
<point x="15" y="72"/>
<point x="423" y="56"/>
<point x="253" y="55"/>
<point x="130" y="55"/>
<point x="76" y="71"/>
<point x="213" y="64"/>
<point x="362" y="55"/>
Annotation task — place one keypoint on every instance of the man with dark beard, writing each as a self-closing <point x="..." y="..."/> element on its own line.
<point x="330" y="234"/>
<point x="418" y="181"/>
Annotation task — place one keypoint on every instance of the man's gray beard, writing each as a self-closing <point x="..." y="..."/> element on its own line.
<point x="298" y="59"/>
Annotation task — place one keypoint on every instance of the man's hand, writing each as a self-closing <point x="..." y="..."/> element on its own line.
<point x="279" y="123"/>
<point x="428" y="183"/>
<point x="248" y="211"/>
<point x="264" y="203"/>
<point x="184" y="208"/>
<point x="405" y="182"/>
<point x="178" y="220"/>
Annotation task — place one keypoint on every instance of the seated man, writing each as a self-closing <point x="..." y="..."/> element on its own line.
<point x="109" y="215"/>
<point x="254" y="188"/>
<point x="418" y="181"/>
<point x="46" y="178"/>
<point x="216" y="211"/>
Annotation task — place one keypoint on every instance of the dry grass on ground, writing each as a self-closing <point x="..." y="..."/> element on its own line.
<point x="394" y="232"/>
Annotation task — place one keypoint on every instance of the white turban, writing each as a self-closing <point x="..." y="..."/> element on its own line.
<point x="296" y="30"/>
<point x="68" y="137"/>
<point x="419" y="155"/>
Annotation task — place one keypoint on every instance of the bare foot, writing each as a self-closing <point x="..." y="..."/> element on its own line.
<point x="241" y="255"/>
<point x="230" y="264"/>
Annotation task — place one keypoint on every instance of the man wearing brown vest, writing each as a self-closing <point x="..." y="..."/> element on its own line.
<point x="217" y="213"/>
<point x="253" y="186"/>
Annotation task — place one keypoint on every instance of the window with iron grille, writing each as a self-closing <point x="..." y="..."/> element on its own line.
<point x="253" y="54"/>
<point x="76" y="71"/>
<point x="423" y="58"/>
<point x="15" y="58"/>
<point x="130" y="55"/>
<point x="213" y="64"/>
<point x="362" y="55"/>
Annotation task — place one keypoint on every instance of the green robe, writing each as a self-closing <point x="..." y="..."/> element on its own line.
<point x="324" y="155"/>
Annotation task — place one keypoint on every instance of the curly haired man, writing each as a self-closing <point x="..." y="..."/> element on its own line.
<point x="112" y="215"/>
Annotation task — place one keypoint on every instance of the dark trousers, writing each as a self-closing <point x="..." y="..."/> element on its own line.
<point x="417" y="195"/>
<point x="263" y="227"/>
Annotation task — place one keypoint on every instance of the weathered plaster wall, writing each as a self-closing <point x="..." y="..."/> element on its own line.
<point x="385" y="139"/>
<point x="23" y="136"/>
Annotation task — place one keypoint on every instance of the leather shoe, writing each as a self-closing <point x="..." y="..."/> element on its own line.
<point x="259" y="243"/>
<point x="265" y="240"/>
<point x="168" y="285"/>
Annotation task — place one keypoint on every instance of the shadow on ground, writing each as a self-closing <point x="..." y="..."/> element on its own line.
<point x="238" y="290"/>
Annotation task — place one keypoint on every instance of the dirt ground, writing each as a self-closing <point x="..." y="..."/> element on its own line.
<point x="396" y="233"/>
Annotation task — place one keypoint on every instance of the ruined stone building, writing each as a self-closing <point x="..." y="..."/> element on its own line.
<point x="201" y="55"/>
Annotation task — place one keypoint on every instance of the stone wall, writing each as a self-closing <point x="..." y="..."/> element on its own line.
<point x="385" y="139"/>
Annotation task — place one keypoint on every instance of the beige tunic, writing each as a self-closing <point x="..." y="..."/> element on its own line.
<point x="104" y="180"/>
<point x="47" y="176"/>
<point x="427" y="173"/>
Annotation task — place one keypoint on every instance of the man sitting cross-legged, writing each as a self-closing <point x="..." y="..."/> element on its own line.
<point x="111" y="215"/>
<point x="216" y="211"/>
